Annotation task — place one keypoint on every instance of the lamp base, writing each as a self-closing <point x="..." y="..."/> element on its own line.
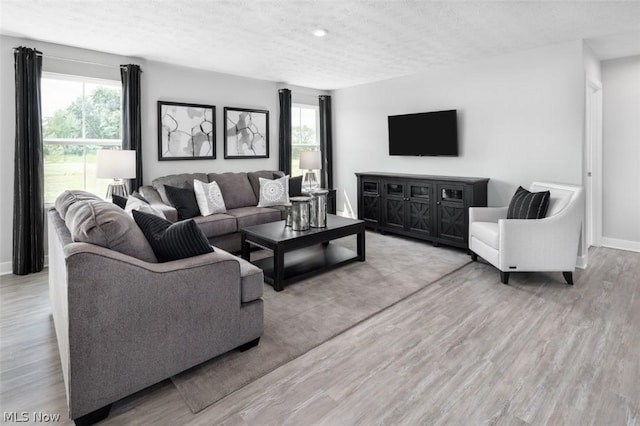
<point x="117" y="187"/>
<point x="309" y="182"/>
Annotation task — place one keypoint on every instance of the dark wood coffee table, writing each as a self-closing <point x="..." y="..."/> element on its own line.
<point x="300" y="254"/>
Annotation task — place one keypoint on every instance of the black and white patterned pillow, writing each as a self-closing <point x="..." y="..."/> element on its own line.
<point x="528" y="205"/>
<point x="274" y="192"/>
<point x="172" y="241"/>
<point x="209" y="198"/>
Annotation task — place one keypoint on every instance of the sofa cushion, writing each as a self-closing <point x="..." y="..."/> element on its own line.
<point x="217" y="224"/>
<point x="184" y="200"/>
<point x="209" y="198"/>
<point x="179" y="181"/>
<point x="104" y="224"/>
<point x="236" y="189"/>
<point x="249" y="216"/>
<point x="528" y="205"/>
<point x="487" y="232"/>
<point x="172" y="241"/>
<point x="274" y="192"/>
<point x="254" y="179"/>
<point x="67" y="198"/>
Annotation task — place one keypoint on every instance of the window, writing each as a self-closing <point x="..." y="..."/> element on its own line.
<point x="79" y="116"/>
<point x="304" y="134"/>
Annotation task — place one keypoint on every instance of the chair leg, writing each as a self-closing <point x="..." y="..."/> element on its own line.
<point x="568" y="276"/>
<point x="474" y="256"/>
<point x="504" y="277"/>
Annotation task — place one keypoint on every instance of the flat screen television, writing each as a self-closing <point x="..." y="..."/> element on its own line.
<point x="424" y="134"/>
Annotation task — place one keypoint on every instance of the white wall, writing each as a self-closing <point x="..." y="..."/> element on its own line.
<point x="621" y="153"/>
<point x="159" y="82"/>
<point x="180" y="84"/>
<point x="520" y="116"/>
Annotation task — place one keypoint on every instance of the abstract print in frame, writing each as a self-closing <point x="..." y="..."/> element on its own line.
<point x="246" y="133"/>
<point x="186" y="131"/>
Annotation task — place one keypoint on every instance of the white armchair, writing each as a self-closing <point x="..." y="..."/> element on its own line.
<point x="519" y="245"/>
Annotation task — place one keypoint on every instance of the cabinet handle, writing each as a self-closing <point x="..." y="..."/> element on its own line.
<point x="438" y="202"/>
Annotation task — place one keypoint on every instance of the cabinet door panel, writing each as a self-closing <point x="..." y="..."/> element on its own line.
<point x="420" y="217"/>
<point x="451" y="222"/>
<point x="371" y="208"/>
<point x="394" y="212"/>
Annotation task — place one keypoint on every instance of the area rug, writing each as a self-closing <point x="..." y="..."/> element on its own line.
<point x="312" y="311"/>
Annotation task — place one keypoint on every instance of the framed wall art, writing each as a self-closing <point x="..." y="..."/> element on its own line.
<point x="186" y="131"/>
<point x="246" y="133"/>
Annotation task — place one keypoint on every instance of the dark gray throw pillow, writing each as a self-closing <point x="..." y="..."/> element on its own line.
<point x="119" y="200"/>
<point x="528" y="205"/>
<point x="172" y="241"/>
<point x="184" y="200"/>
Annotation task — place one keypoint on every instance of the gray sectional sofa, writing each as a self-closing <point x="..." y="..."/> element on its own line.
<point x="241" y="195"/>
<point x="124" y="322"/>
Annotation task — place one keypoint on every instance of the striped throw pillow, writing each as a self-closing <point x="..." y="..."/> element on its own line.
<point x="172" y="241"/>
<point x="528" y="205"/>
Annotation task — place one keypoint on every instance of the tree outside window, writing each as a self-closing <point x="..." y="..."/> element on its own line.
<point x="80" y="116"/>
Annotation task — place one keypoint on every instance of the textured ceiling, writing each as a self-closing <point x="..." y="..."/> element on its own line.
<point x="271" y="39"/>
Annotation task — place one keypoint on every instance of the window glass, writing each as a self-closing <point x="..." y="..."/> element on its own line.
<point x="79" y="116"/>
<point x="304" y="133"/>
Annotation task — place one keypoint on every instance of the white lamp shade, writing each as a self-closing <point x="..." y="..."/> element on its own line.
<point x="310" y="160"/>
<point x="116" y="164"/>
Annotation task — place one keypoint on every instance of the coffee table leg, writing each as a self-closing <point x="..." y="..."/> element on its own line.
<point x="245" y="247"/>
<point x="361" y="246"/>
<point x="278" y="268"/>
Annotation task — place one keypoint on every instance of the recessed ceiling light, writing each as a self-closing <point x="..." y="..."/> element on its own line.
<point x="320" y="32"/>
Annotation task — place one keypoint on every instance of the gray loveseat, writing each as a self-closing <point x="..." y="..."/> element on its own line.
<point x="124" y="322"/>
<point x="241" y="193"/>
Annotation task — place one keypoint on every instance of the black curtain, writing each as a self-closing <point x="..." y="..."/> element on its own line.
<point x="28" y="191"/>
<point x="131" y="118"/>
<point x="326" y="177"/>
<point x="284" y="155"/>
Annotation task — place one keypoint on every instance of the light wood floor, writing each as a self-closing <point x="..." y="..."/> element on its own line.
<point x="466" y="350"/>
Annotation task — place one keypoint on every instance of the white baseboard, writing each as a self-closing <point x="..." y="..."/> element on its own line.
<point x="616" y="243"/>
<point x="6" y="268"/>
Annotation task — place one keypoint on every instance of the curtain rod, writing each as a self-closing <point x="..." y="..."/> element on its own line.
<point x="75" y="60"/>
<point x="83" y="62"/>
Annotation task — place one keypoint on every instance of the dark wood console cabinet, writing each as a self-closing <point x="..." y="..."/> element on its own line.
<point x="432" y="208"/>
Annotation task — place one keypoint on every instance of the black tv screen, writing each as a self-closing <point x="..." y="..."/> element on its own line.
<point x="426" y="133"/>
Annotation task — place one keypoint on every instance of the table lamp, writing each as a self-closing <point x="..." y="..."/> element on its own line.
<point x="310" y="161"/>
<point x="117" y="165"/>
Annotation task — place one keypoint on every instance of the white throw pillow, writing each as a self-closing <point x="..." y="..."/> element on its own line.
<point x="274" y="192"/>
<point x="209" y="198"/>
<point x="134" y="203"/>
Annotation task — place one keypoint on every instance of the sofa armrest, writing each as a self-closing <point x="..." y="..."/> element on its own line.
<point x="487" y="214"/>
<point x="153" y="197"/>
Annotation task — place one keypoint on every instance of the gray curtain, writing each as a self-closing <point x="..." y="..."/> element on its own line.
<point x="28" y="192"/>
<point x="326" y="177"/>
<point x="284" y="155"/>
<point x="131" y="118"/>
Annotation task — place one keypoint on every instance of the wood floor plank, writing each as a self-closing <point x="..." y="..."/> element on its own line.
<point x="465" y="350"/>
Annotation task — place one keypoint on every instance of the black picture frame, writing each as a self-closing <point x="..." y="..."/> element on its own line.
<point x="246" y="133"/>
<point x="186" y="131"/>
